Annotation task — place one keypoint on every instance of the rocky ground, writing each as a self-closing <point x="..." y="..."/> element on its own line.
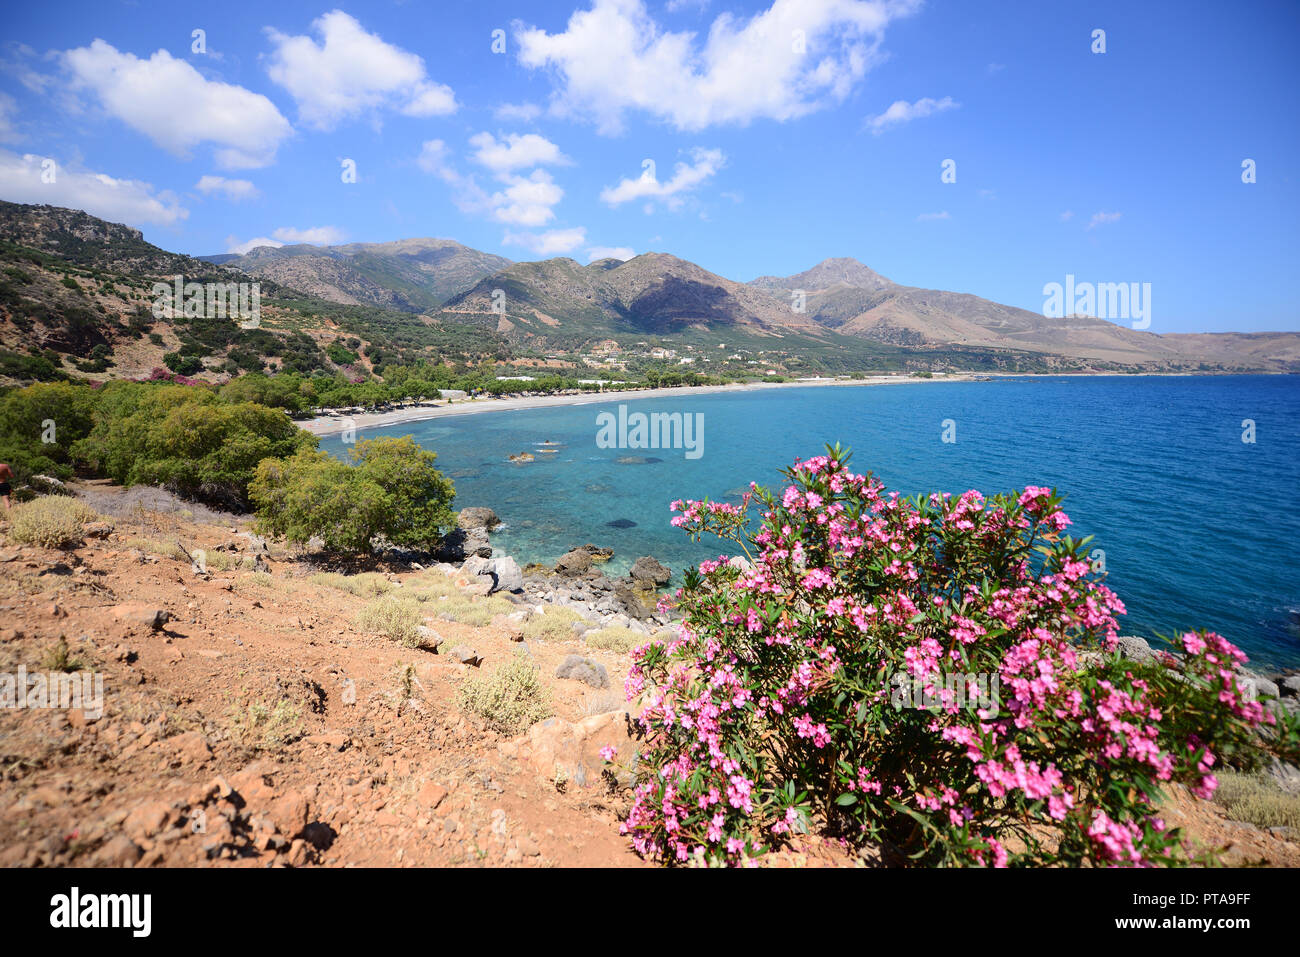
<point x="250" y="719"/>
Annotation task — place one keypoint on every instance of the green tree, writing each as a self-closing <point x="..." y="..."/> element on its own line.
<point x="390" y="491"/>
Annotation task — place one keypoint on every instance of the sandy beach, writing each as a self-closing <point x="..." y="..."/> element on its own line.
<point x="328" y="425"/>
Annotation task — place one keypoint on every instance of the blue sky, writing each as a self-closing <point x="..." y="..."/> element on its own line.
<point x="771" y="150"/>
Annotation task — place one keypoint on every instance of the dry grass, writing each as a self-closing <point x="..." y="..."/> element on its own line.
<point x="553" y="624"/>
<point x="620" y="640"/>
<point x="398" y="618"/>
<point x="471" y="611"/>
<point x="264" y="728"/>
<point x="52" y="521"/>
<point x="366" y="585"/>
<point x="1256" y="799"/>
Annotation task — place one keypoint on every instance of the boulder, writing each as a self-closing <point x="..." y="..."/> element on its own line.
<point x="650" y="571"/>
<point x="574" y="563"/>
<point x="555" y="749"/>
<point x="582" y="669"/>
<point x="47" y="485"/>
<point x="477" y="517"/>
<point x="142" y="613"/>
<point x="509" y="576"/>
<point x="1135" y="649"/>
<point x="1290" y="685"/>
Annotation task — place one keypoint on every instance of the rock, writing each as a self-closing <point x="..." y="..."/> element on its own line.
<point x="46" y="485"/>
<point x="508" y="575"/>
<point x="97" y="529"/>
<point x="556" y="746"/>
<point x="147" y="819"/>
<point x="117" y="851"/>
<point x="583" y="669"/>
<point x="574" y="563"/>
<point x="650" y="571"/>
<point x="465" y="656"/>
<point x="1290" y="685"/>
<point x="1134" y="648"/>
<point x="141" y="613"/>
<point x="597" y="553"/>
<point x="431" y="794"/>
<point x="477" y="517"/>
<point x="429" y="638"/>
<point x="190" y="747"/>
<point x="1255" y="686"/>
<point x="1286" y="776"/>
<point x="460" y="544"/>
<point x="291" y="812"/>
<point x="509" y="627"/>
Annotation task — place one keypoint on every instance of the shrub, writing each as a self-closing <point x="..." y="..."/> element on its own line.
<point x="391" y="491"/>
<point x="185" y="439"/>
<point x="366" y="585"/>
<point x="511" y="700"/>
<point x="471" y="611"/>
<point x="789" y="700"/>
<point x="52" y="521"/>
<point x="1256" y="799"/>
<point x="621" y="640"/>
<point x="553" y="624"/>
<point x="397" y="618"/>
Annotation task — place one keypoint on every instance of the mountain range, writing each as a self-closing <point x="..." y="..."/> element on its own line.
<point x="74" y="284"/>
<point x="560" y="304"/>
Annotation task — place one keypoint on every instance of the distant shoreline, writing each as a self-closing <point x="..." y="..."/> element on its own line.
<point x="323" y="425"/>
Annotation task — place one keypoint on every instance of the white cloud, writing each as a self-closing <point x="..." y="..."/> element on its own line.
<point x="610" y="252"/>
<point x="288" y="235"/>
<point x="515" y="151"/>
<point x="1103" y="219"/>
<point x="527" y="201"/>
<point x="787" y="61"/>
<point x="1067" y="215"/>
<point x="233" y="189"/>
<point x="524" y="201"/>
<point x="351" y="72"/>
<point x="900" y="111"/>
<point x="175" y="106"/>
<point x="233" y="245"/>
<point x="553" y="242"/>
<point x="932" y="217"/>
<point x="316" y="235"/>
<point x="116" y="200"/>
<point x="517" y="112"/>
<point x="686" y="177"/>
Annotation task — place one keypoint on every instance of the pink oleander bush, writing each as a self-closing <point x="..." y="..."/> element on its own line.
<point x="775" y="711"/>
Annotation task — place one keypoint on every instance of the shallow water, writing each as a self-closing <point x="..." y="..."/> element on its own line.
<point x="1199" y="528"/>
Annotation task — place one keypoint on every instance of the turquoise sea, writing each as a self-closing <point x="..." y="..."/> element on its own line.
<point x="1199" y="528"/>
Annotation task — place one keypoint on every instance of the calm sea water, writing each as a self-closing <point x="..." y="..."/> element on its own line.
<point x="1198" y="527"/>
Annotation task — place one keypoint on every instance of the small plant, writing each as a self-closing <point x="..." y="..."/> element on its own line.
<point x="553" y="624"/>
<point x="396" y="617"/>
<point x="52" y="521"/>
<point x="367" y="585"/>
<point x="621" y="640"/>
<point x="59" y="658"/>
<point x="266" y="728"/>
<point x="512" y="699"/>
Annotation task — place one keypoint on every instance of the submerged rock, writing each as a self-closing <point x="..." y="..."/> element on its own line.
<point x="621" y="523"/>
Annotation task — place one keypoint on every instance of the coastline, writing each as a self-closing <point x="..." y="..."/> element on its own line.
<point x="323" y="425"/>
